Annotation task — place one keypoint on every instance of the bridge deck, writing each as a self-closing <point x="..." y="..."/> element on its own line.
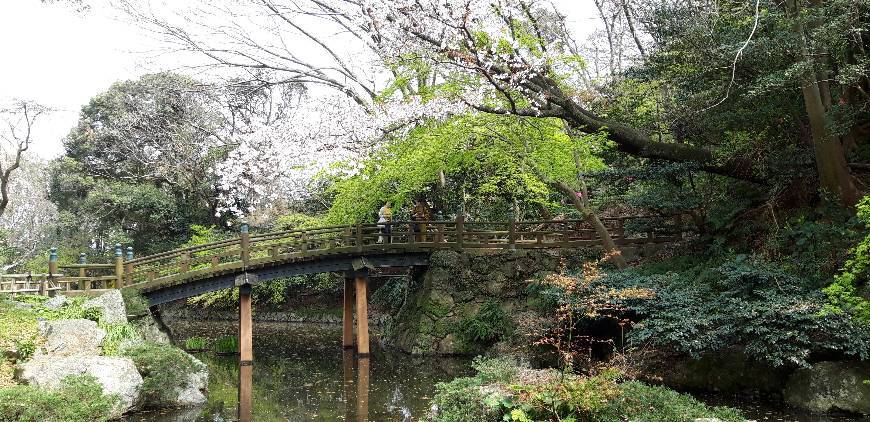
<point x="198" y="269"/>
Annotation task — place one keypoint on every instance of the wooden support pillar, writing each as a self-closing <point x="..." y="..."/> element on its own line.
<point x="246" y="388"/>
<point x="246" y="344"/>
<point x="83" y="259"/>
<point x="362" y="314"/>
<point x="347" y="315"/>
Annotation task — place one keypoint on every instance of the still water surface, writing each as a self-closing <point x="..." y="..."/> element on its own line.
<point x="300" y="373"/>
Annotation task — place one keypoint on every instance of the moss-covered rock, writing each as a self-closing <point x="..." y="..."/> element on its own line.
<point x="830" y="385"/>
<point x="730" y="371"/>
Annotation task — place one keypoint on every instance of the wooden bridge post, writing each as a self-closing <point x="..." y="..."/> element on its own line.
<point x="83" y="259"/>
<point x="184" y="265"/>
<point x="359" y="237"/>
<point x="246" y="332"/>
<point x="362" y="314"/>
<point x="52" y="272"/>
<point x="512" y="234"/>
<point x="119" y="266"/>
<point x="128" y="267"/>
<point x="460" y="230"/>
<point x="347" y="314"/>
<point x="245" y="244"/>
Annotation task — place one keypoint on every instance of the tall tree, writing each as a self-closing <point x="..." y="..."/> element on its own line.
<point x="16" y="136"/>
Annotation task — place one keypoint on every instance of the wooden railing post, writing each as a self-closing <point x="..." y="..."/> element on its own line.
<point x="512" y="234"/>
<point x="52" y="271"/>
<point x="412" y="235"/>
<point x="359" y="237"/>
<point x="304" y="247"/>
<point x="119" y="266"/>
<point x="128" y="267"/>
<point x="83" y="259"/>
<point x="245" y="243"/>
<point x="460" y="230"/>
<point x="184" y="265"/>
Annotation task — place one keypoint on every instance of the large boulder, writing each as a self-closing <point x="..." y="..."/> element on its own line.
<point x="111" y="304"/>
<point x="728" y="371"/>
<point x="118" y="376"/>
<point x="196" y="384"/>
<point x="71" y="337"/>
<point x="830" y="385"/>
<point x="151" y="329"/>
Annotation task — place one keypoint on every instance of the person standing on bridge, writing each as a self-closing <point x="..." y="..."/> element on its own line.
<point x="419" y="213"/>
<point x="385" y="217"/>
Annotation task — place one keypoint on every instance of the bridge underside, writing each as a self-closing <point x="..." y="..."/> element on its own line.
<point x="256" y="275"/>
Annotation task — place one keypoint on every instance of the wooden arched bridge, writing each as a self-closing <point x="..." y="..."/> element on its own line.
<point x="353" y="249"/>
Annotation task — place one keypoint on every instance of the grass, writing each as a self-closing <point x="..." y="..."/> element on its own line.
<point x="17" y="326"/>
<point x="79" y="398"/>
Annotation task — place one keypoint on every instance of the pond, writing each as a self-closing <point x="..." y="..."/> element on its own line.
<point x="301" y="373"/>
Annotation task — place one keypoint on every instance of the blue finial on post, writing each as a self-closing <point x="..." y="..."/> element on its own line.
<point x="83" y="259"/>
<point x="244" y="228"/>
<point x="129" y="253"/>
<point x="118" y="250"/>
<point x="52" y="255"/>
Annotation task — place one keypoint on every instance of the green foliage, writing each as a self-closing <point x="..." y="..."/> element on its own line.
<point x="843" y="294"/>
<point x="135" y="302"/>
<point x="490" y="163"/>
<point x="489" y="325"/>
<point x="500" y="391"/>
<point x="746" y="302"/>
<point x="25" y="349"/>
<point x="164" y="369"/>
<point x="195" y="343"/>
<point x="226" y="345"/>
<point x="116" y="183"/>
<point x="79" y="398"/>
<point x="116" y="335"/>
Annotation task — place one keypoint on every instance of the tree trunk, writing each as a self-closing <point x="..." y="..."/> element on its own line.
<point x="834" y="176"/>
<point x="613" y="253"/>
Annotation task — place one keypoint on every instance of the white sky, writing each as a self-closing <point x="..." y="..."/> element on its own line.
<point x="60" y="58"/>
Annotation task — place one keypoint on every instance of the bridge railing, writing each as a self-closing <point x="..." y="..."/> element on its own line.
<point x="259" y="250"/>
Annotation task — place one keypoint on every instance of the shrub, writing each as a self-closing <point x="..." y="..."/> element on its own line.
<point x="744" y="301"/>
<point x="502" y="392"/>
<point x="843" y="296"/>
<point x="79" y="398"/>
<point x="25" y="349"/>
<point x="135" y="303"/>
<point x="644" y="403"/>
<point x="164" y="369"/>
<point x="195" y="343"/>
<point x="226" y="345"/>
<point x="489" y="325"/>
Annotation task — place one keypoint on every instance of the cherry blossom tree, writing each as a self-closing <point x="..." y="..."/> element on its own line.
<point x="26" y="226"/>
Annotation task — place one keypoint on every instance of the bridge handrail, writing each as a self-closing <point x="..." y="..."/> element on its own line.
<point x="263" y="249"/>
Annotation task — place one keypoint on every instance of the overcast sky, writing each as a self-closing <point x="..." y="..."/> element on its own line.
<point x="61" y="58"/>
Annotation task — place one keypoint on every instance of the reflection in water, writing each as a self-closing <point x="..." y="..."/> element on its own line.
<point x="362" y="390"/>
<point x="301" y="373"/>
